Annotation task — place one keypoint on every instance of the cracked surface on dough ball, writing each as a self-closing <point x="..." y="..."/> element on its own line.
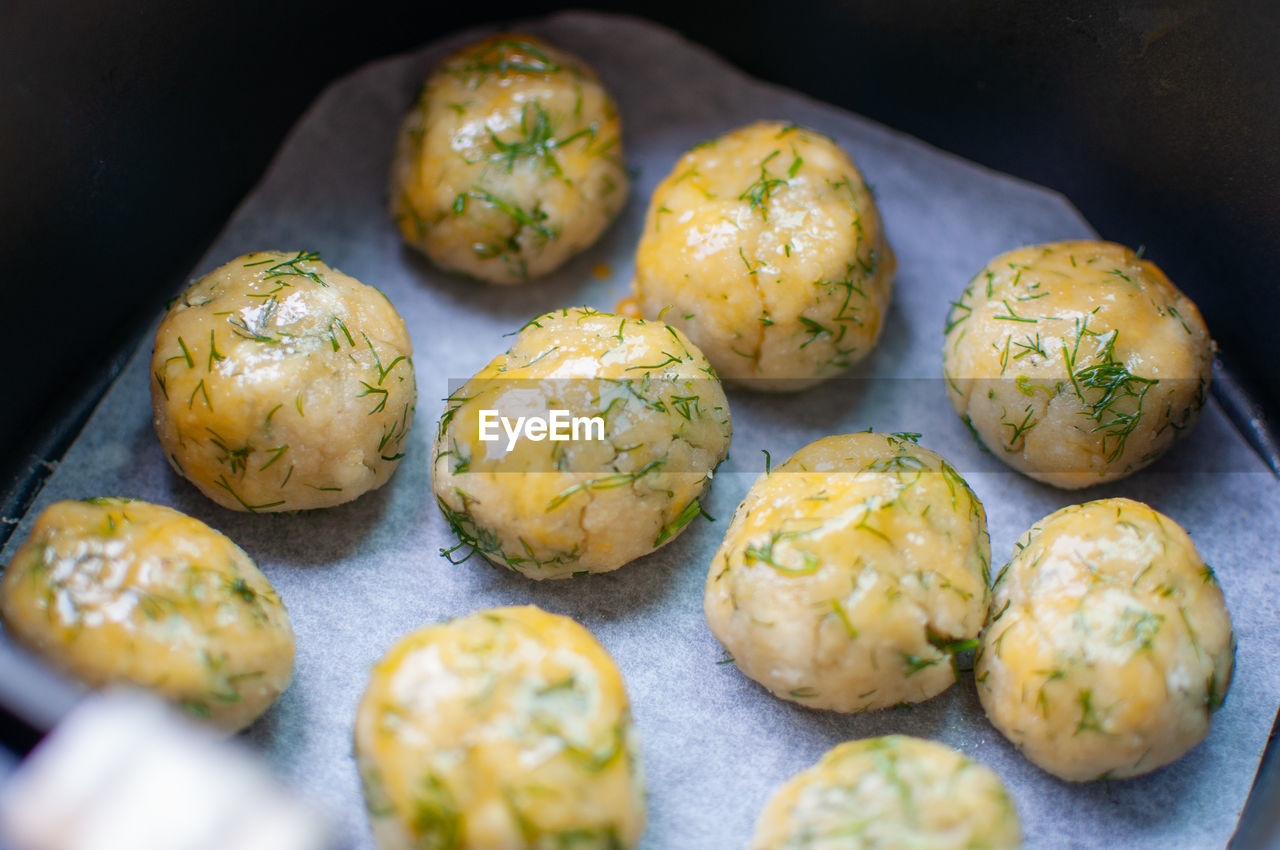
<point x="510" y="162"/>
<point x="893" y="791"/>
<point x="116" y="590"/>
<point x="552" y="509"/>
<point x="765" y="246"/>
<point x="1109" y="645"/>
<point x="507" y="728"/>
<point x="851" y="574"/>
<point x="1076" y="363"/>
<point x="280" y="384"/>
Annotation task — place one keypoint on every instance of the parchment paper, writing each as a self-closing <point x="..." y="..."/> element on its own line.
<point x="715" y="745"/>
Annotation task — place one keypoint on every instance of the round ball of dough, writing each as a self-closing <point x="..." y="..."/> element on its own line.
<point x="642" y="424"/>
<point x="506" y="728"/>
<point x="511" y="161"/>
<point x="1109" y="643"/>
<point x="851" y="574"/>
<point x="766" y="248"/>
<point x="280" y="384"/>
<point x="1076" y="362"/>
<point x="893" y="791"/>
<point x="115" y="590"/>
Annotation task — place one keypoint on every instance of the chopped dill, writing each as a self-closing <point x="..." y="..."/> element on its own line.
<point x="503" y="57"/>
<point x="380" y="392"/>
<point x="1112" y="395"/>
<point x="536" y="142"/>
<point x="759" y="193"/>
<point x="606" y="482"/>
<point x="813" y="330"/>
<point x="765" y="554"/>
<point x="291" y="267"/>
<point x="214" y="355"/>
<point x="1012" y="316"/>
<point x="253" y="509"/>
<point x="686" y="516"/>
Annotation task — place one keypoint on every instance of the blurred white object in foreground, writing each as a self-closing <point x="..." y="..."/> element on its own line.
<point x="125" y="771"/>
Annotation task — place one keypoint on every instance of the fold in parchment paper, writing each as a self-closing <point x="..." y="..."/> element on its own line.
<point x="715" y="745"/>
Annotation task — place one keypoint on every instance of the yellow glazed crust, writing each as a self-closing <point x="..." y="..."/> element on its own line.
<point x="280" y="384"/>
<point x="114" y="590"/>
<point x="505" y="729"/>
<point x="894" y="791"/>
<point x="766" y="248"/>
<point x="1076" y="362"/>
<point x="1109" y="644"/>
<point x="552" y="509"/>
<point x="511" y="161"/>
<point x="851" y="574"/>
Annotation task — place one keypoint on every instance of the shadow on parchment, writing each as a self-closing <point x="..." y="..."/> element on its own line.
<point x="632" y="591"/>
<point x="319" y="537"/>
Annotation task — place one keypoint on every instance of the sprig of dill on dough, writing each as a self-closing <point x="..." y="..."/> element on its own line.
<point x="759" y="193"/>
<point x="1112" y="395"/>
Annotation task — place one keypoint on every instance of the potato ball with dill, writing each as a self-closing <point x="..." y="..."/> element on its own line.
<point x="280" y="384"/>
<point x="1109" y="645"/>
<point x="894" y="791"/>
<point x="642" y="424"/>
<point x="116" y="590"/>
<point x="510" y="163"/>
<point x="507" y="728"/>
<point x="766" y="248"/>
<point x="1076" y="363"/>
<point x="851" y="574"/>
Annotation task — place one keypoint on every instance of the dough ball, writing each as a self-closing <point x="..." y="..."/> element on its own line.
<point x="280" y="384"/>
<point x="508" y="728"/>
<point x="851" y="574"/>
<point x="1076" y="362"/>
<point x="114" y="590"/>
<point x="1109" y="644"/>
<point x="766" y="248"/>
<point x="511" y="161"/>
<point x="894" y="791"/>
<point x="600" y="495"/>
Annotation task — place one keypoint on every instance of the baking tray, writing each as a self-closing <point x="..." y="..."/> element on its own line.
<point x="359" y="576"/>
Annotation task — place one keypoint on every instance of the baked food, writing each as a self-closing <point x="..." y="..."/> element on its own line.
<point x="509" y="727"/>
<point x="607" y="493"/>
<point x="766" y="248"/>
<point x="510" y="162"/>
<point x="851" y="574"/>
<point x="1109" y="645"/>
<point x="894" y="791"/>
<point x="116" y="590"/>
<point x="280" y="384"/>
<point x="1076" y="363"/>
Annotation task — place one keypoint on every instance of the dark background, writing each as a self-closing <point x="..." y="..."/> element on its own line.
<point x="129" y="130"/>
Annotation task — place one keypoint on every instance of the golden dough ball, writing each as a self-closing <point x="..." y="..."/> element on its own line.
<point x="589" y="498"/>
<point x="1109" y="644"/>
<point x="116" y="590"/>
<point x="508" y="728"/>
<point x="280" y="384"/>
<point x="894" y="791"/>
<point x="766" y="248"/>
<point x="1076" y="363"/>
<point x="851" y="574"/>
<point x="510" y="163"/>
